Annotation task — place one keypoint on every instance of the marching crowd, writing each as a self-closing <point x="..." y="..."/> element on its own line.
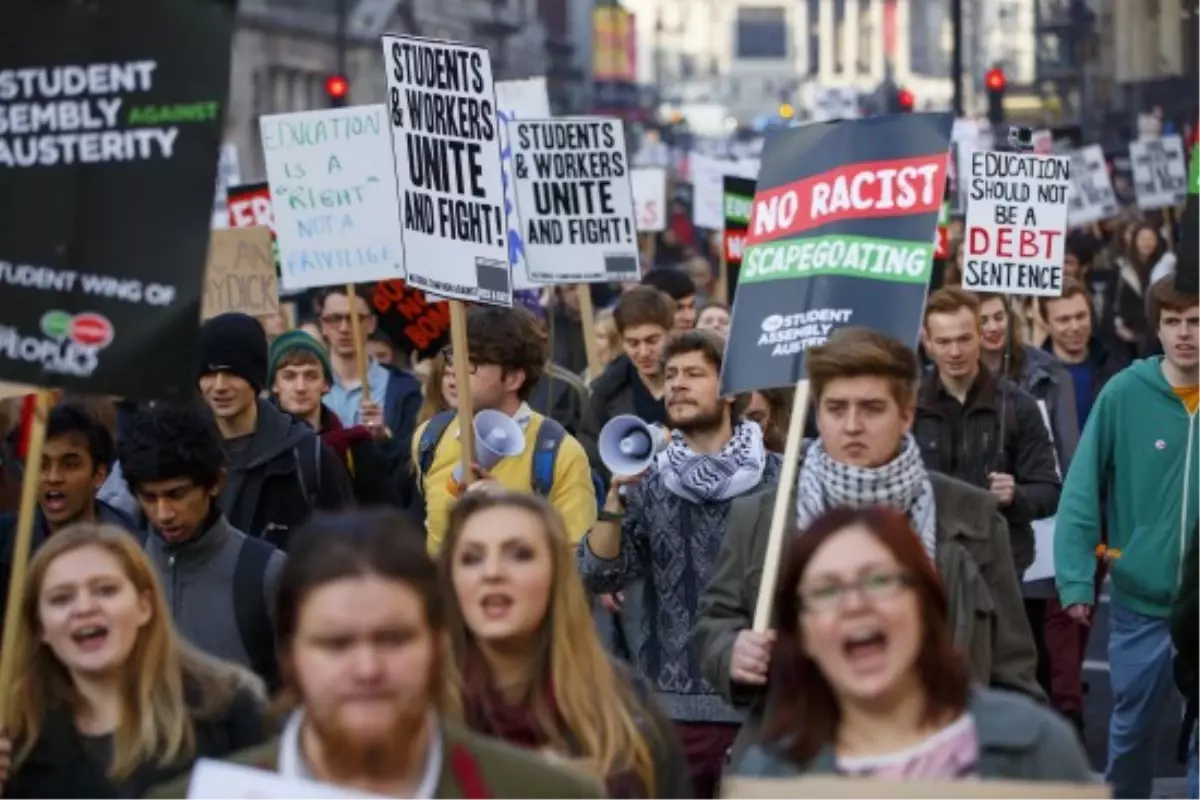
<point x="291" y="574"/>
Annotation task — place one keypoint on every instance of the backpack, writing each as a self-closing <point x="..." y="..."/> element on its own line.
<point x="250" y="608"/>
<point x="549" y="440"/>
<point x="309" y="473"/>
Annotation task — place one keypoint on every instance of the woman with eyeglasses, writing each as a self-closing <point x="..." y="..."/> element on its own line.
<point x="865" y="680"/>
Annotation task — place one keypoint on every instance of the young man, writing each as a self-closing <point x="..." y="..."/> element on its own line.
<point x="1068" y="320"/>
<point x="279" y="471"/>
<point x="1136" y="467"/>
<point x="864" y="387"/>
<point x="677" y="285"/>
<point x="362" y="630"/>
<point x="958" y="424"/>
<point x="667" y="528"/>
<point x="395" y="393"/>
<point x="633" y="383"/>
<point x="220" y="583"/>
<point x="508" y="352"/>
<point x="76" y="458"/>
<point x="300" y="375"/>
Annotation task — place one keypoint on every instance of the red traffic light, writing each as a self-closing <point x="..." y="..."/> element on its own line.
<point x="337" y="87"/>
<point x="994" y="80"/>
<point x="906" y="99"/>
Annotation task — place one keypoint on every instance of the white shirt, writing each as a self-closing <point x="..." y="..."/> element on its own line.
<point x="292" y="763"/>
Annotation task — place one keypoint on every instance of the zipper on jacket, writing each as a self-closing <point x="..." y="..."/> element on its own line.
<point x="174" y="586"/>
<point x="1183" y="527"/>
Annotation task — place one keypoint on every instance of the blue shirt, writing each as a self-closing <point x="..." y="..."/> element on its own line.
<point x="1082" y="375"/>
<point x="346" y="403"/>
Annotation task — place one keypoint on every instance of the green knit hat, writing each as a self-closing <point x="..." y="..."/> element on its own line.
<point x="289" y="342"/>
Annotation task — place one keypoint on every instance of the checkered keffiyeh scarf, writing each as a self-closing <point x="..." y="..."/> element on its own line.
<point x="902" y="484"/>
<point x="705" y="478"/>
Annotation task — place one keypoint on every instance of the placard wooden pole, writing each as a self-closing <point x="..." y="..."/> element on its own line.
<point x="649" y="240"/>
<point x="360" y="347"/>
<point x="462" y="379"/>
<point x="783" y="517"/>
<point x="721" y="290"/>
<point x="20" y="551"/>
<point x="587" y="315"/>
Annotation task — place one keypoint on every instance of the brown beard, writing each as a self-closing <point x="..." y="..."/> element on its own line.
<point x="348" y="758"/>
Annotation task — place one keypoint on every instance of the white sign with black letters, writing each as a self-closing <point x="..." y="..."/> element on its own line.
<point x="574" y="200"/>
<point x="1015" y="235"/>
<point x="1159" y="172"/>
<point x="650" y="198"/>
<point x="446" y="143"/>
<point x="1092" y="197"/>
<point x="522" y="99"/>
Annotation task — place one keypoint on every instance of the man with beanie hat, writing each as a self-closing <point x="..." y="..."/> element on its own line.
<point x="279" y="470"/>
<point x="300" y="375"/>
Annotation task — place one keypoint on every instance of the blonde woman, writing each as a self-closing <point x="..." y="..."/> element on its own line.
<point x="106" y="700"/>
<point x="527" y="666"/>
<point x="441" y="393"/>
<point x="608" y="340"/>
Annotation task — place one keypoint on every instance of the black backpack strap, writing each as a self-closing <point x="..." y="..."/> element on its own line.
<point x="545" y="456"/>
<point x="250" y="608"/>
<point x="308" y="472"/>
<point x="427" y="446"/>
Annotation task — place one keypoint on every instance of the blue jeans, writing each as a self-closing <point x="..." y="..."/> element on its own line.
<point x="1139" y="656"/>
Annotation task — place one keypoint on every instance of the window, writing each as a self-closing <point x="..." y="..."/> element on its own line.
<point x="762" y="33"/>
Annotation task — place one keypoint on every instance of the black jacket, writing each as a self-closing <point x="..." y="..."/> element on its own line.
<point x="560" y="395"/>
<point x="282" y="475"/>
<point x="966" y="446"/>
<point x="612" y="395"/>
<point x="374" y="476"/>
<point x="60" y="766"/>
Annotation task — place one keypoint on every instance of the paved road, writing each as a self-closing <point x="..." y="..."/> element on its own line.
<point x="1097" y="705"/>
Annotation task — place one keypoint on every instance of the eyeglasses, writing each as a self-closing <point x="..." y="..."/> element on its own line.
<point x="874" y="588"/>
<point x="448" y="356"/>
<point x="338" y="320"/>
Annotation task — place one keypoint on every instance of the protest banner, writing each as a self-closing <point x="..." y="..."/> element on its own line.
<point x="108" y="207"/>
<point x="250" y="206"/>
<point x="739" y="194"/>
<point x="521" y="99"/>
<point x="224" y="780"/>
<point x="1160" y="172"/>
<point x="1091" y="197"/>
<point x="708" y="188"/>
<point x="240" y="274"/>
<point x="574" y="200"/>
<point x="649" y="198"/>
<point x="333" y="196"/>
<point x="406" y="315"/>
<point x="1015" y="236"/>
<point x="446" y="146"/>
<point x="826" y="786"/>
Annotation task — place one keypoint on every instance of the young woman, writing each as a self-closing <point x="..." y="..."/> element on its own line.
<point x="1146" y="260"/>
<point x="865" y="680"/>
<point x="608" y="341"/>
<point x="106" y="700"/>
<point x="440" y="391"/>
<point x="527" y="665"/>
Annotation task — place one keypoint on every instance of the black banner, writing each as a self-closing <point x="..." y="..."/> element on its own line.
<point x="111" y="117"/>
<point x="737" y="194"/>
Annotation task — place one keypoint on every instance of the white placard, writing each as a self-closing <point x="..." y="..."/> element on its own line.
<point x="1159" y="172"/>
<point x="446" y="144"/>
<point x="333" y="195"/>
<point x="708" y="187"/>
<point x="574" y="200"/>
<point x="523" y="99"/>
<point x="1092" y="197"/>
<point x="649" y="198"/>
<point x="221" y="780"/>
<point x="1043" y="529"/>
<point x="1016" y="223"/>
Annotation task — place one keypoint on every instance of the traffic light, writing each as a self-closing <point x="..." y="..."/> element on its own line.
<point x="995" y="82"/>
<point x="337" y="88"/>
<point x="905" y="101"/>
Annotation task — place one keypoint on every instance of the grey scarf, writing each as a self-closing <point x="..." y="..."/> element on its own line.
<point x="902" y="484"/>
<point x="713" y="478"/>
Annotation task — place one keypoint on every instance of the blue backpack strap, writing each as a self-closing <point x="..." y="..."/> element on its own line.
<point x="545" y="456"/>
<point x="430" y="436"/>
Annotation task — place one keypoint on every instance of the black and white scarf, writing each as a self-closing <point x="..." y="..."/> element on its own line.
<point x="714" y="477"/>
<point x="902" y="483"/>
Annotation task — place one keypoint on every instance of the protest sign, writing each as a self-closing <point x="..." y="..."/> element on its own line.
<point x="1159" y="172"/>
<point x="522" y="99"/>
<point x="250" y="206"/>
<point x="333" y="196"/>
<point x="649" y="198"/>
<point x="739" y="194"/>
<point x="446" y="145"/>
<point x="110" y="127"/>
<point x="708" y="188"/>
<point x="840" y="233"/>
<point x="409" y="318"/>
<point x="826" y="786"/>
<point x="1091" y="197"/>
<point x="225" y="780"/>
<point x="1015" y="236"/>
<point x="574" y="200"/>
<point x="240" y="274"/>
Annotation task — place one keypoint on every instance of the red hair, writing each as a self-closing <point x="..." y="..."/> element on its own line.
<point x="802" y="711"/>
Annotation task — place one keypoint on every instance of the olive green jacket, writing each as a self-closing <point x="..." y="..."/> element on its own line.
<point x="504" y="771"/>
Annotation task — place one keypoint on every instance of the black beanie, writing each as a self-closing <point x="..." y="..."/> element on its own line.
<point x="237" y="344"/>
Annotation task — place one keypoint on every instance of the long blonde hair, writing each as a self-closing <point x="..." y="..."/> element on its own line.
<point x="156" y="722"/>
<point x="598" y="706"/>
<point x="434" y="401"/>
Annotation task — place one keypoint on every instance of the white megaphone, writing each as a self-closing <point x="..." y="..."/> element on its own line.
<point x="497" y="436"/>
<point x="628" y="445"/>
